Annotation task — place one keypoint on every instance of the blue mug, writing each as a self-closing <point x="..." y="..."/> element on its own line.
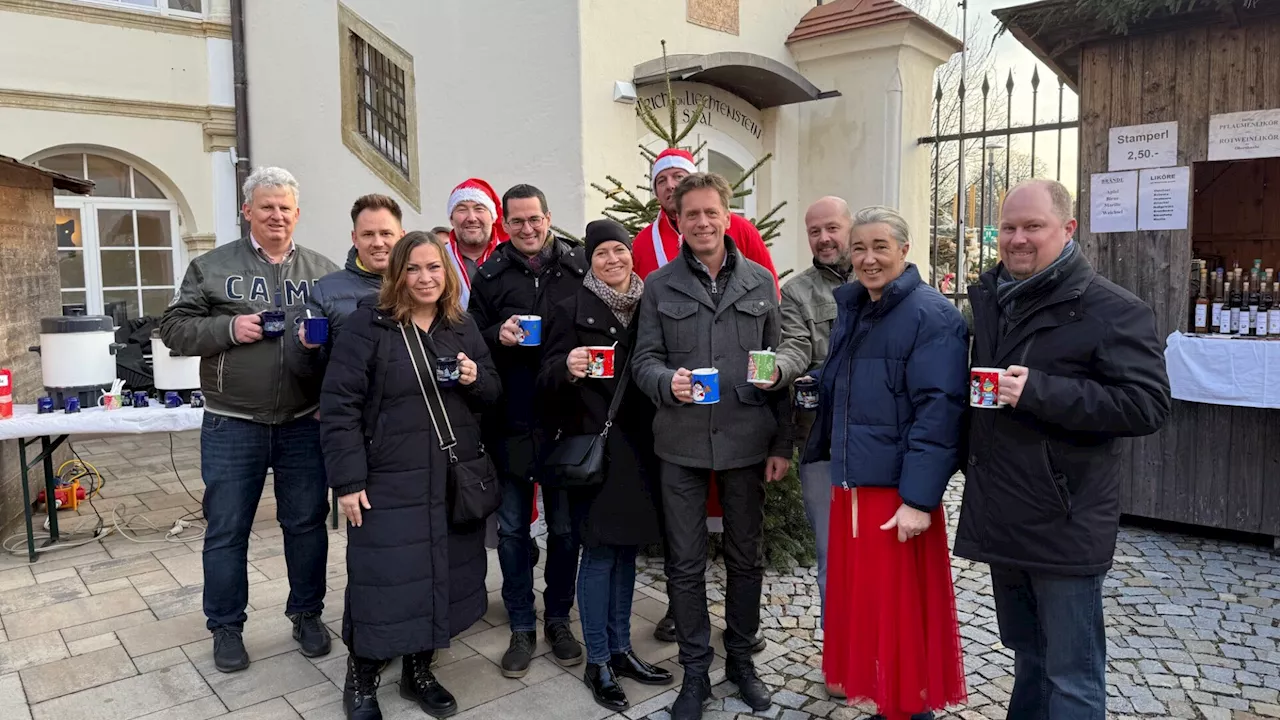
<point x="706" y="386"/>
<point x="530" y="330"/>
<point x="448" y="371"/>
<point x="807" y="393"/>
<point x="316" y="329"/>
<point x="172" y="399"/>
<point x="73" y="405"/>
<point x="140" y="399"/>
<point x="272" y="323"/>
<point x="44" y="405"/>
<point x="197" y="399"/>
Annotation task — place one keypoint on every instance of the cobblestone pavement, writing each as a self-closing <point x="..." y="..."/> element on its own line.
<point x="112" y="630"/>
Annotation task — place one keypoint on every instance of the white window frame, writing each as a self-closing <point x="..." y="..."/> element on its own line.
<point x="161" y="7"/>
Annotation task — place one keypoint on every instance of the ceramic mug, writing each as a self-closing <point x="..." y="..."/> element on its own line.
<point x="272" y="323"/>
<point x="984" y="387"/>
<point x="706" y="386"/>
<point x="316" y="329"/>
<point x="73" y="405"/>
<point x="140" y="399"/>
<point x="807" y="393"/>
<point x="760" y="369"/>
<point x="44" y="405"/>
<point x="600" y="361"/>
<point x="530" y="330"/>
<point x="172" y="399"/>
<point x="448" y="371"/>
<point x="109" y="401"/>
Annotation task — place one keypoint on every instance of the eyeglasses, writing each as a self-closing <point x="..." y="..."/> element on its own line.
<point x="533" y="222"/>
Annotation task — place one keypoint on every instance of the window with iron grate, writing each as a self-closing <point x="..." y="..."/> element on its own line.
<point x="380" y="98"/>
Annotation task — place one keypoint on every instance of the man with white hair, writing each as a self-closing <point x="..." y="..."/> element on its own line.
<point x="236" y="310"/>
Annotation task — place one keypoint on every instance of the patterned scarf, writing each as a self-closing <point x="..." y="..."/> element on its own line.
<point x="622" y="305"/>
<point x="1011" y="292"/>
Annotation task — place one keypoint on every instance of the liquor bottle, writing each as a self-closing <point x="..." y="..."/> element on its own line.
<point x="1202" y="306"/>
<point x="1273" y="317"/>
<point x="1224" y="320"/>
<point x="1215" y="307"/>
<point x="1254" y="300"/>
<point x="1242" y="329"/>
<point x="1235" y="305"/>
<point x="1193" y="294"/>
<point x="1264" y="311"/>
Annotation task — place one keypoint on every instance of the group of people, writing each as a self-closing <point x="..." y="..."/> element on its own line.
<point x="428" y="413"/>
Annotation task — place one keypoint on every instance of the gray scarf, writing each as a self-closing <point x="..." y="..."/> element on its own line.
<point x="622" y="305"/>
<point x="1011" y="292"/>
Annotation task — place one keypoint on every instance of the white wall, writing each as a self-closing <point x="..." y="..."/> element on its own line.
<point x="508" y="112"/>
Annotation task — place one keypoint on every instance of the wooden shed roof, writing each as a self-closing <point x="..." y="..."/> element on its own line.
<point x="60" y="181"/>
<point x="1055" y="30"/>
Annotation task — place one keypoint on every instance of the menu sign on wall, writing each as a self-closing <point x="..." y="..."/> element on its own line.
<point x="1252" y="134"/>
<point x="1163" y="197"/>
<point x="1134" y="147"/>
<point x="1113" y="202"/>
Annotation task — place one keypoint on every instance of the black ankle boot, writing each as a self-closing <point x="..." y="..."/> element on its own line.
<point x="742" y="672"/>
<point x="360" y="691"/>
<point x="605" y="688"/>
<point x="417" y="683"/>
<point x="629" y="665"/>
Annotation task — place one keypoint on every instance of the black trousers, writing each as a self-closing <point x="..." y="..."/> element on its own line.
<point x="684" y="505"/>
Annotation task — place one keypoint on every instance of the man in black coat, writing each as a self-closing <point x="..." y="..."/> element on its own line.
<point x="527" y="276"/>
<point x="1084" y="368"/>
<point x="708" y="309"/>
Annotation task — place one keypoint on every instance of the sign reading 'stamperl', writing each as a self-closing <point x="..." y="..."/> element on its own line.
<point x="1134" y="147"/>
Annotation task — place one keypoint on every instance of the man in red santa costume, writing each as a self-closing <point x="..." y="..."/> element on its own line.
<point x="660" y="241"/>
<point x="476" y="217"/>
<point x="654" y="247"/>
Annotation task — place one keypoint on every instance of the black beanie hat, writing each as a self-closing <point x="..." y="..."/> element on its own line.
<point x="603" y="231"/>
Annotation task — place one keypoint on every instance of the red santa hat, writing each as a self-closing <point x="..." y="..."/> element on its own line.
<point x="673" y="158"/>
<point x="478" y="191"/>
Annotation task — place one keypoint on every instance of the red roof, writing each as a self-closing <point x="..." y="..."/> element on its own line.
<point x="835" y="17"/>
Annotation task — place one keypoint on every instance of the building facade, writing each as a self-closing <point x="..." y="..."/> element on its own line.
<point x="135" y="95"/>
<point x="409" y="98"/>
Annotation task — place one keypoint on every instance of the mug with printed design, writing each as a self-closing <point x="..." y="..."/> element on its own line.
<point x="272" y="323"/>
<point x="706" y="386"/>
<point x="530" y="333"/>
<point x="600" y="361"/>
<point x="984" y="387"/>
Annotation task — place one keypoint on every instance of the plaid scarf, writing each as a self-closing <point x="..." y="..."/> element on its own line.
<point x="622" y="305"/>
<point x="1022" y="294"/>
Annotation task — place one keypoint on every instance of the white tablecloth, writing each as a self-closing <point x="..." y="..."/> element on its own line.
<point x="1223" y="370"/>
<point x="27" y="423"/>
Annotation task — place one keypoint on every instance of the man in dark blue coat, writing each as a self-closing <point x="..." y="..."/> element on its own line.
<point x="376" y="228"/>
<point x="1084" y="367"/>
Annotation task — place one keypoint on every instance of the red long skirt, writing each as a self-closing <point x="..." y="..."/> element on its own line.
<point x="891" y="633"/>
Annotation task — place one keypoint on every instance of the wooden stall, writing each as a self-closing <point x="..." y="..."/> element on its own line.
<point x="1214" y="465"/>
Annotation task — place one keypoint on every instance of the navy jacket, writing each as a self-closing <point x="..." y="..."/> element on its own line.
<point x="894" y="391"/>
<point x="336" y="296"/>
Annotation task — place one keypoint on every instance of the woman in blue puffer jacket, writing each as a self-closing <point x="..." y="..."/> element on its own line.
<point x="893" y="393"/>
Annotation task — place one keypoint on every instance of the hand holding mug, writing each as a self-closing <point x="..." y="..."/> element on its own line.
<point x="751" y="372"/>
<point x="351" y="505"/>
<point x="467" y="369"/>
<point x="909" y="521"/>
<point x="682" y="385"/>
<point x="1012" y="381"/>
<point x="247" y="328"/>
<point x="577" y="362"/>
<point x="509" y="333"/>
<point x="302" y="337"/>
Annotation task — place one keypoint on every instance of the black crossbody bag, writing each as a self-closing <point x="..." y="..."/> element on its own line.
<point x="473" y="493"/>
<point x="580" y="461"/>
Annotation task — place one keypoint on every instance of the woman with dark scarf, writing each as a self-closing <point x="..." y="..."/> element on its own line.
<point x="615" y="517"/>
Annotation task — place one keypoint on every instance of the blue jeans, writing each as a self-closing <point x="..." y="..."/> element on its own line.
<point x="815" y="489"/>
<point x="1054" y="625"/>
<point x="606" y="584"/>
<point x="517" y="554"/>
<point x="234" y="458"/>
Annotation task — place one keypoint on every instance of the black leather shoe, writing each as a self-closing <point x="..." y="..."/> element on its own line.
<point x="688" y="704"/>
<point x="418" y="684"/>
<point x="605" y="688"/>
<point x="666" y="630"/>
<point x="752" y="689"/>
<point x="760" y="644"/>
<point x="565" y="649"/>
<point x="515" y="663"/>
<point x="228" y="650"/>
<point x="629" y="665"/>
<point x="360" y="691"/>
<point x="311" y="634"/>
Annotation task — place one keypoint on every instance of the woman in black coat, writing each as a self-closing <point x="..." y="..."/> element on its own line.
<point x="413" y="579"/>
<point x="614" y="518"/>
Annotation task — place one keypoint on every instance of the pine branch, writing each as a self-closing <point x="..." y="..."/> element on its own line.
<point x="693" y="121"/>
<point x="752" y="170"/>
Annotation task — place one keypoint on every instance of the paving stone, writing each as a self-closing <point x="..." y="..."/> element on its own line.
<point x="163" y="634"/>
<point x="92" y="644"/>
<point x="34" y="596"/>
<point x="264" y="679"/>
<point x="275" y="709"/>
<point x="118" y="568"/>
<point x="31" y="651"/>
<point x="789" y="699"/>
<point x="13" y="703"/>
<point x="89" y="670"/>
<point x="178" y="601"/>
<point x="93" y="629"/>
<point x="74" y="612"/>
<point x="314" y="697"/>
<point x="555" y="699"/>
<point x="162" y="659"/>
<point x="129" y="698"/>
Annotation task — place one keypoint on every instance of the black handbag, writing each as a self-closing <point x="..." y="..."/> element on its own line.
<point x="579" y="461"/>
<point x="473" y="492"/>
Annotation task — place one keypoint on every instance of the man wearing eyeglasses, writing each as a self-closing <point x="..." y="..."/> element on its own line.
<point x="527" y="276"/>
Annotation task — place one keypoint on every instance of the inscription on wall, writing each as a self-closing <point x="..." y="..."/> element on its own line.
<point x="719" y="15"/>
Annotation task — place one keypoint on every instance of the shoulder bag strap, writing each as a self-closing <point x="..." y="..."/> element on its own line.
<point x="617" y="397"/>
<point x="418" y="358"/>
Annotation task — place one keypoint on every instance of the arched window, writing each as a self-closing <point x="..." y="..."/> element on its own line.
<point x="732" y="171"/>
<point x="116" y="247"/>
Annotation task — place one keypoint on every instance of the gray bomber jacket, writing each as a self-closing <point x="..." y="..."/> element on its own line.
<point x="266" y="381"/>
<point x="680" y="326"/>
<point x="808" y="312"/>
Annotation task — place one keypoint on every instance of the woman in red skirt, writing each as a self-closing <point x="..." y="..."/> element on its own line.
<point x="893" y="392"/>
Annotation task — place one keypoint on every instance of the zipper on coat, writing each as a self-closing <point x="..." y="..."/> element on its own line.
<point x="279" y="268"/>
<point x="1059" y="489"/>
<point x="222" y="357"/>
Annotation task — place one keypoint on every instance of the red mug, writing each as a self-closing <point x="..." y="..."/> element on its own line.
<point x="984" y="387"/>
<point x="600" y="361"/>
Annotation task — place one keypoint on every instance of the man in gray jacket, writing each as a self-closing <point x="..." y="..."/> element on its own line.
<point x="235" y="310"/>
<point x="709" y="309"/>
<point x="808" y="309"/>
